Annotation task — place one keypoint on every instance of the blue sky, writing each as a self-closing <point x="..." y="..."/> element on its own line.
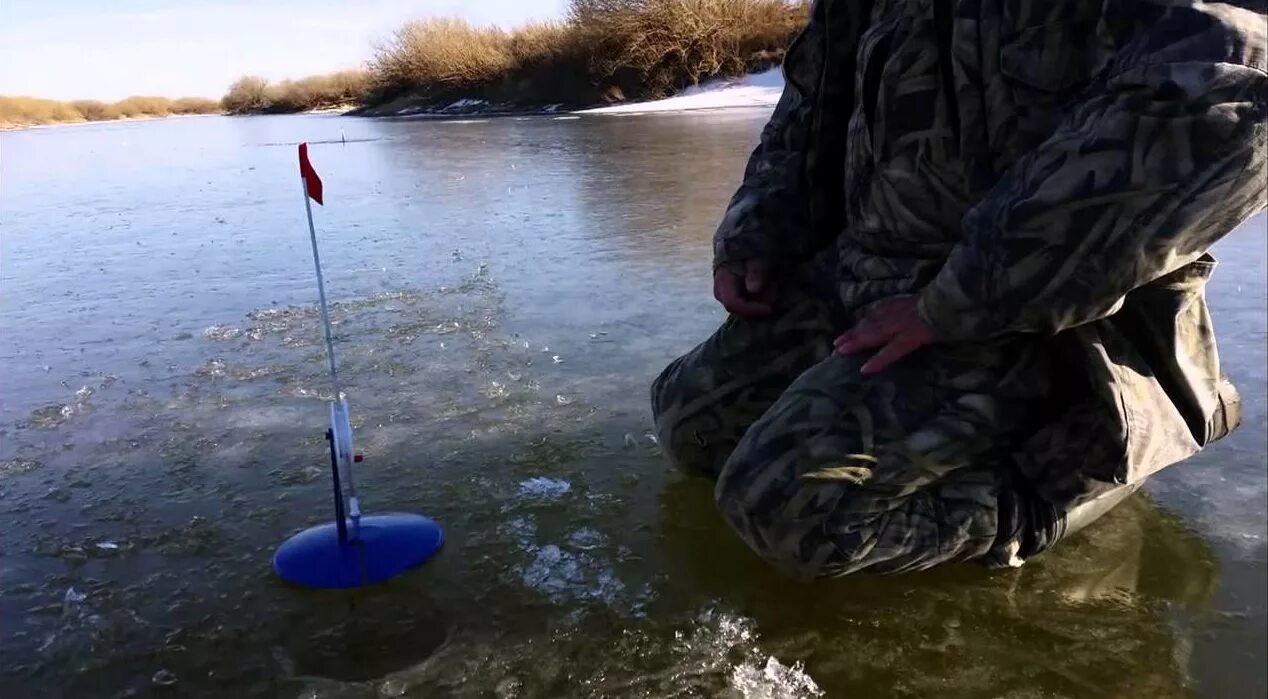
<point x="108" y="49"/>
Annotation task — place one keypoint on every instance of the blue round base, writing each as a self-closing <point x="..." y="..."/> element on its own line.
<point x="387" y="546"/>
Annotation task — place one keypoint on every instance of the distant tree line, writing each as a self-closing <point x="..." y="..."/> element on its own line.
<point x="29" y="111"/>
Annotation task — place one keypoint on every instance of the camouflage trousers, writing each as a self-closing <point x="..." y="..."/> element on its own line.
<point x="825" y="472"/>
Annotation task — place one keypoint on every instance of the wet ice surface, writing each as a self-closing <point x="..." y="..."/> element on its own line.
<point x="162" y="407"/>
<point x="547" y="488"/>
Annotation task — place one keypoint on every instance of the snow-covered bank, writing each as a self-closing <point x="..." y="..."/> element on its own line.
<point x="755" y="90"/>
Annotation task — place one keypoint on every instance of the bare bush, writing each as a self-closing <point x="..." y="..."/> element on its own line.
<point x="441" y="52"/>
<point x="672" y="43"/>
<point x="247" y="94"/>
<point x="93" y="110"/>
<point x="195" y="105"/>
<point x="28" y="111"/>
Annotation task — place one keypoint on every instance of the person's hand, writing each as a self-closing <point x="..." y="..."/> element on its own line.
<point x="894" y="325"/>
<point x="745" y="288"/>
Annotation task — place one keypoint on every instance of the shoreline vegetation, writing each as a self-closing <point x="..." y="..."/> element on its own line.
<point x="602" y="52"/>
<point x="21" y="112"/>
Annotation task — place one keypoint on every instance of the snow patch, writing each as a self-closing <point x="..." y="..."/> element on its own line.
<point x="465" y="104"/>
<point x="754" y="90"/>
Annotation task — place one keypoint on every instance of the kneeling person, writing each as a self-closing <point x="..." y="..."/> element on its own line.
<point x="967" y="298"/>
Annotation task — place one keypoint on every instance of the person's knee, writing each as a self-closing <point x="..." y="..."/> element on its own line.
<point x="793" y="542"/>
<point x="680" y="443"/>
<point x="663" y="389"/>
<point x="826" y="527"/>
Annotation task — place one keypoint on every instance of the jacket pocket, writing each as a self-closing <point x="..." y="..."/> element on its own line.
<point x="1152" y="390"/>
<point x="1043" y="69"/>
<point x="1170" y="327"/>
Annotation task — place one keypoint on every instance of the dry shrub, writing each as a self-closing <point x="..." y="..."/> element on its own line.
<point x="348" y="86"/>
<point x="28" y="111"/>
<point x="138" y="106"/>
<point x="539" y="43"/>
<point x="251" y="94"/>
<point x="94" y="110"/>
<point x="673" y="43"/>
<point x="645" y="48"/>
<point x="441" y="52"/>
<point x="195" y="105"/>
<point x="247" y="94"/>
<point x="290" y="95"/>
<point x="319" y="91"/>
<point x="653" y="46"/>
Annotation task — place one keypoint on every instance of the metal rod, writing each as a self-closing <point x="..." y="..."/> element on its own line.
<point x="334" y="473"/>
<point x="321" y="291"/>
<point x="334" y="379"/>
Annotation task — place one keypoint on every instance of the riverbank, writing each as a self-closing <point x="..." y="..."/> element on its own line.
<point x="26" y="112"/>
<point x="748" y="89"/>
<point x="757" y="90"/>
<point x="603" y="53"/>
<point x="124" y="120"/>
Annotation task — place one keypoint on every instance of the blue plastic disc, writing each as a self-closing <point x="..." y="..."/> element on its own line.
<point x="387" y="546"/>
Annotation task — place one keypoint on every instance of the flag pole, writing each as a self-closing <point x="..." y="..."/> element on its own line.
<point x="321" y="292"/>
<point x="340" y="439"/>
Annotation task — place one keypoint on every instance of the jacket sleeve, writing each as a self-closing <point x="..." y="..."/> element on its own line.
<point x="769" y="217"/>
<point x="1150" y="169"/>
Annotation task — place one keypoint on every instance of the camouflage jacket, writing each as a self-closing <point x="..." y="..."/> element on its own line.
<point x="1028" y="166"/>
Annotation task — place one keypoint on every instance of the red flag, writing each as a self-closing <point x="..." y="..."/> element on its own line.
<point x="312" y="183"/>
